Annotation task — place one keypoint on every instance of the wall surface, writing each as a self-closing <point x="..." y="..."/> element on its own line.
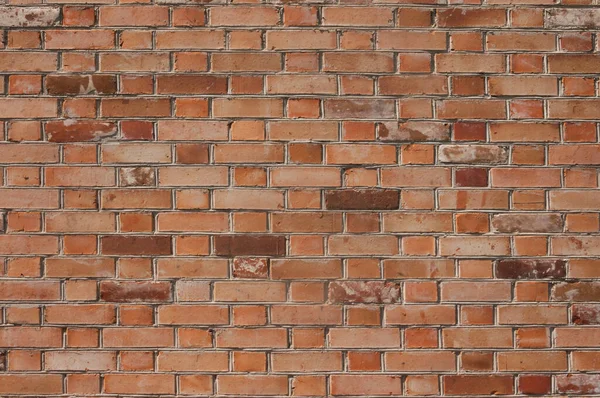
<point x="314" y="198"/>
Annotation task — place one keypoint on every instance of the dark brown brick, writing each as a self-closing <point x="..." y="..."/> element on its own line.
<point x="527" y="223"/>
<point x="471" y="177"/>
<point x="368" y="292"/>
<point x="249" y="245"/>
<point x="192" y="153"/>
<point x="530" y="269"/>
<point x="136" y="245"/>
<point x="362" y="199"/>
<point x="79" y="131"/>
<point x="81" y="84"/>
<point x="135" y="291"/>
<point x="585" y="314"/>
<point x="2" y="361"/>
<point x="191" y="84"/>
<point x="576" y="291"/>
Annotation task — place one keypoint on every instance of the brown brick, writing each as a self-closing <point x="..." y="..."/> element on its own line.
<point x="530" y="269"/>
<point x="249" y="245"/>
<point x="136" y="245"/>
<point x="362" y="199"/>
<point x="79" y="131"/>
<point x="81" y="84"/>
<point x="135" y="291"/>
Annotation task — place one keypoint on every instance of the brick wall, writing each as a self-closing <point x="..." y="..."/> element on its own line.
<point x="313" y="198"/>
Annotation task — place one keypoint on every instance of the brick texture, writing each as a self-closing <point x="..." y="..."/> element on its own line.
<point x="274" y="198"/>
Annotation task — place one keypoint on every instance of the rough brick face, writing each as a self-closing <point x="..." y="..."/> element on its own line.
<point x="299" y="198"/>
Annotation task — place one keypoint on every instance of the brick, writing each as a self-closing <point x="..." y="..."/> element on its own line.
<point x="476" y="385"/>
<point x="403" y="40"/>
<point x="413" y="131"/>
<point x="307" y="362"/>
<point x="416" y="222"/>
<point x="183" y="130"/>
<point x="79" y="39"/>
<point x="577" y="384"/>
<point x="81" y="84"/>
<point x="515" y="223"/>
<point x="31" y="384"/>
<point x="29" y="16"/>
<point x="366" y="385"/>
<point x="138" y="337"/>
<point x="191" y="84"/>
<point x="585" y="314"/>
<point x="254" y="338"/>
<point x="530" y="269"/>
<point x="136" y="245"/>
<point x="358" y="62"/>
<point x="191" y="361"/>
<point x="134" y="291"/>
<point x="252" y="384"/>
<point x="134" y="16"/>
<point x="303" y="315"/>
<point x="79" y="131"/>
<point x="584" y="18"/>
<point x="25" y="337"/>
<point x="80" y="314"/>
<point x="300" y="39"/>
<point x="249" y="245"/>
<point x="423" y="361"/>
<point x="364" y="338"/>
<point x="353" y="292"/>
<point x="75" y="360"/>
<point x="474" y="63"/>
<point x="142" y="383"/>
<point x="142" y="107"/>
<point x="358" y="199"/>
<point x="539" y="314"/>
<point x="420" y="315"/>
<point x="175" y="314"/>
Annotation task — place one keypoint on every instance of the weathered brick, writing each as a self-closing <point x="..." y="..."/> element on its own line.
<point x="585" y="314"/>
<point x="530" y="269"/>
<point x="79" y="130"/>
<point x="578" y="384"/>
<point x="413" y="131"/>
<point x="476" y="154"/>
<point x="81" y="84"/>
<point x="135" y="291"/>
<point x="576" y="291"/>
<point x="527" y="223"/>
<point x="29" y="16"/>
<point x="567" y="18"/>
<point x="354" y="292"/>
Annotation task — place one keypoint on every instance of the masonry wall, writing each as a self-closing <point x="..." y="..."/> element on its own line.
<point x="353" y="198"/>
